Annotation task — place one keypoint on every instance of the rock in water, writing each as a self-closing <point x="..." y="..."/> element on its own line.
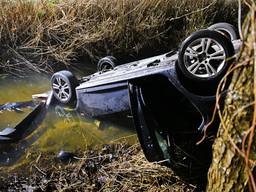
<point x="65" y="156"/>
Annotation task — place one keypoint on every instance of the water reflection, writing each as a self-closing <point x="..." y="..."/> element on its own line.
<point x="64" y="129"/>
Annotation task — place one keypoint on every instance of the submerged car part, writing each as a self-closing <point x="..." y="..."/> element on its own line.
<point x="27" y="125"/>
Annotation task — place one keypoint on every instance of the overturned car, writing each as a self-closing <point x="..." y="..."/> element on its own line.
<point x="170" y="97"/>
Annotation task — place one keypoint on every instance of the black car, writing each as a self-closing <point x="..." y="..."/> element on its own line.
<point x="170" y="97"/>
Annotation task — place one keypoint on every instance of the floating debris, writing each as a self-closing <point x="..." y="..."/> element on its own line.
<point x="17" y="106"/>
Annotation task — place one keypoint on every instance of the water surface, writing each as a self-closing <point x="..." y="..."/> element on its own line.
<point x="61" y="129"/>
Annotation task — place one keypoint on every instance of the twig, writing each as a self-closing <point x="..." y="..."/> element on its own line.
<point x="38" y="169"/>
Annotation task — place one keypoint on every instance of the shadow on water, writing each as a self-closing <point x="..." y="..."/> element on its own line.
<point x="57" y="128"/>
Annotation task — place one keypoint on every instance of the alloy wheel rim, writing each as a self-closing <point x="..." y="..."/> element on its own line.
<point x="204" y="58"/>
<point x="106" y="67"/>
<point x="61" y="89"/>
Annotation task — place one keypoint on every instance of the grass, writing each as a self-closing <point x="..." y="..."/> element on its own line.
<point x="46" y="35"/>
<point x="115" y="167"/>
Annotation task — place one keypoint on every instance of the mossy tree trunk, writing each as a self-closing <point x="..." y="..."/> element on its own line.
<point x="228" y="171"/>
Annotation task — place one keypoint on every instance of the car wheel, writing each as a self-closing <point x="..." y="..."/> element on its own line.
<point x="205" y="56"/>
<point x="63" y="86"/>
<point x="107" y="63"/>
<point x="226" y="29"/>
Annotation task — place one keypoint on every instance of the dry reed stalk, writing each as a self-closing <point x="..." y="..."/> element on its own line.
<point x="42" y="35"/>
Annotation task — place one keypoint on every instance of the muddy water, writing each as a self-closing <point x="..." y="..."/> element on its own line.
<point x="61" y="129"/>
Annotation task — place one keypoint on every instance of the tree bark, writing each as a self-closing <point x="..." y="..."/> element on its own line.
<point x="228" y="171"/>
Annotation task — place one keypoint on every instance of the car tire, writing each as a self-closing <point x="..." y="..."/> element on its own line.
<point x="226" y="29"/>
<point x="107" y="63"/>
<point x="63" y="85"/>
<point x="209" y="58"/>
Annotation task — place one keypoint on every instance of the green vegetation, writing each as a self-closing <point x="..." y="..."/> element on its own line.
<point x="44" y="35"/>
